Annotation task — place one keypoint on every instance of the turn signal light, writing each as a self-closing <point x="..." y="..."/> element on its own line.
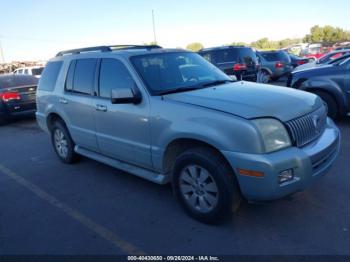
<point x="246" y="172"/>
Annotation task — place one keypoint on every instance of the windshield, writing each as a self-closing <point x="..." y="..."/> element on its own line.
<point x="173" y="71"/>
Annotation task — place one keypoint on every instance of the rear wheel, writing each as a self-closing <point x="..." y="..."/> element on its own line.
<point x="205" y="185"/>
<point x="63" y="143"/>
<point x="331" y="103"/>
<point x="264" y="77"/>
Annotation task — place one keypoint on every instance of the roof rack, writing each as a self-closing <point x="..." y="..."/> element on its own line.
<point x="109" y="48"/>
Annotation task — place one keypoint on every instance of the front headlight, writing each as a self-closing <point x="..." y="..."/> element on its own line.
<point x="274" y="134"/>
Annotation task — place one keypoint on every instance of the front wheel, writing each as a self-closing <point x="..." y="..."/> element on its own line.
<point x="205" y="185"/>
<point x="63" y="143"/>
<point x="331" y="103"/>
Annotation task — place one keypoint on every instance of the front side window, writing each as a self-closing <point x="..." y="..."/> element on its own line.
<point x="113" y="75"/>
<point x="164" y="72"/>
<point x="84" y="75"/>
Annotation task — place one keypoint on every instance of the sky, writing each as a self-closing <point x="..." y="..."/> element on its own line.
<point x="38" y="29"/>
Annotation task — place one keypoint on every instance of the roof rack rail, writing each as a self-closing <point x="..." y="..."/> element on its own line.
<point x="106" y="49"/>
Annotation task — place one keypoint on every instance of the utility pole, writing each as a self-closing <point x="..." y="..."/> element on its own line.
<point x="154" y="28"/>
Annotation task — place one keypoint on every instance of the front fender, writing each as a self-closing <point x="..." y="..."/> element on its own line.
<point x="221" y="130"/>
<point x="327" y="85"/>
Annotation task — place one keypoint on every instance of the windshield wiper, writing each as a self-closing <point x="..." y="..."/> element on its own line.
<point x="195" y="87"/>
<point x="216" y="82"/>
<point x="178" y="90"/>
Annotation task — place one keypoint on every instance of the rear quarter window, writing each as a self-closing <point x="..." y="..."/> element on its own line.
<point x="49" y="77"/>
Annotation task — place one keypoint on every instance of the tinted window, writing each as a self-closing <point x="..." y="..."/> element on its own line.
<point x="84" y="76"/>
<point x="227" y="55"/>
<point x="37" y="71"/>
<point x="50" y="75"/>
<point x="8" y="81"/>
<point x="70" y="76"/>
<point x="275" y="56"/>
<point x="113" y="75"/>
<point x="206" y="55"/>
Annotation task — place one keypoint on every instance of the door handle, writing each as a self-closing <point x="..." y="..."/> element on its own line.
<point x="101" y="108"/>
<point x="63" y="101"/>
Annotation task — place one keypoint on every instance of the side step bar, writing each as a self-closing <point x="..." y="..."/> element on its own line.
<point x="137" y="171"/>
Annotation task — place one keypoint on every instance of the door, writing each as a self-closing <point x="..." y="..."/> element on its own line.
<point x="77" y="102"/>
<point x="122" y="129"/>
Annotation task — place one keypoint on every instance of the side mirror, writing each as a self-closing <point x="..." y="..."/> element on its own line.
<point x="125" y="96"/>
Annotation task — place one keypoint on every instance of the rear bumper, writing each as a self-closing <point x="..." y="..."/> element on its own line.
<point x="17" y="109"/>
<point x="308" y="163"/>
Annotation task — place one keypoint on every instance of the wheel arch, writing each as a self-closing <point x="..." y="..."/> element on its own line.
<point x="179" y="145"/>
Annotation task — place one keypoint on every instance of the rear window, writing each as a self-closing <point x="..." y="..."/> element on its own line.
<point x="37" y="71"/>
<point x="234" y="55"/>
<point x="17" y="81"/>
<point x="275" y="56"/>
<point x="50" y="75"/>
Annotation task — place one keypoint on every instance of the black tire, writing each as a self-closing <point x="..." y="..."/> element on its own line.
<point x="228" y="196"/>
<point x="264" y="77"/>
<point x="70" y="156"/>
<point x="331" y="103"/>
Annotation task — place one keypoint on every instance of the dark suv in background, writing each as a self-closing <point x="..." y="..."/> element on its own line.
<point x="274" y="64"/>
<point x="240" y="61"/>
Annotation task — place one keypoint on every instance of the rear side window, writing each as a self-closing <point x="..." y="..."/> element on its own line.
<point x="226" y="56"/>
<point x="84" y="76"/>
<point x="113" y="75"/>
<point x="49" y="77"/>
<point x="206" y="55"/>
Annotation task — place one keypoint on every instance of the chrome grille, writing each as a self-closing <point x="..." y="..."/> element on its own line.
<point x="305" y="129"/>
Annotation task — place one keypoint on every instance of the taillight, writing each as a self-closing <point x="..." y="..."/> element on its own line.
<point x="238" y="67"/>
<point x="279" y="65"/>
<point x="301" y="62"/>
<point x="7" y="96"/>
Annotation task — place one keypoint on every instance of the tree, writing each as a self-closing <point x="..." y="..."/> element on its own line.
<point x="239" y="43"/>
<point x="326" y="34"/>
<point x="196" y="46"/>
<point x="265" y="44"/>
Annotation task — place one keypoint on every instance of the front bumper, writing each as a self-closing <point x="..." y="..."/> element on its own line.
<point x="308" y="163"/>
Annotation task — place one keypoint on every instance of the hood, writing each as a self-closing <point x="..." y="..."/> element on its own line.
<point x="311" y="68"/>
<point x="251" y="100"/>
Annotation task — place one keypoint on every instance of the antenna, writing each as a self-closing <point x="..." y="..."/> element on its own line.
<point x="154" y="28"/>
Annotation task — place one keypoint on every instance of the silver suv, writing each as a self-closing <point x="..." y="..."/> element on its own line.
<point x="168" y="115"/>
